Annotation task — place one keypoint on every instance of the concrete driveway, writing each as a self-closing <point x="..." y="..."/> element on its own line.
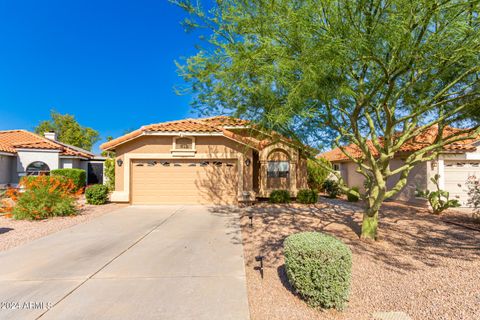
<point x="139" y="262"/>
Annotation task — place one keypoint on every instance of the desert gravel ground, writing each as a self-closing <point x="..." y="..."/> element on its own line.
<point x="16" y="232"/>
<point x="421" y="265"/>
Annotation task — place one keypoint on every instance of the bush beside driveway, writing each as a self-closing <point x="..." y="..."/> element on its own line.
<point x="421" y="266"/>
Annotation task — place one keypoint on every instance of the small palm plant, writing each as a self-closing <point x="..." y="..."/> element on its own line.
<point x="440" y="199"/>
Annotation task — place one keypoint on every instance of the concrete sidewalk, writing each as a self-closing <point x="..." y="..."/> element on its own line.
<point x="143" y="262"/>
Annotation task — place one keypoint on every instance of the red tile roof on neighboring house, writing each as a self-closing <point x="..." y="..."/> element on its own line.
<point x="12" y="140"/>
<point x="424" y="139"/>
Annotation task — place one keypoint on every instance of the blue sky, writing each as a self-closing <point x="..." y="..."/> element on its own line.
<point x="110" y="63"/>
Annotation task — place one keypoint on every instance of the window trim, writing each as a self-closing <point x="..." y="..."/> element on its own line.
<point x="174" y="144"/>
<point x="278" y="173"/>
<point x="183" y="152"/>
<point x="37" y="172"/>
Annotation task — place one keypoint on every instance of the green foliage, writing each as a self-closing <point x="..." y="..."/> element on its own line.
<point x="440" y="199"/>
<point x="109" y="166"/>
<point x="307" y="196"/>
<point x="45" y="197"/>
<point x="78" y="176"/>
<point x="353" y="196"/>
<point x="279" y="196"/>
<point x="317" y="172"/>
<point x="69" y="131"/>
<point x="319" y="268"/>
<point x="377" y="73"/>
<point x="97" y="194"/>
<point x="332" y="188"/>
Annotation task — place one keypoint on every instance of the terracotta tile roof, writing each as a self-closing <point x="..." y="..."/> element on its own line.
<point x="225" y="121"/>
<point x="203" y="125"/>
<point x="11" y="140"/>
<point x="422" y="140"/>
<point x="187" y="125"/>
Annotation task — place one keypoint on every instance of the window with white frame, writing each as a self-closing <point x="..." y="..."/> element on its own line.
<point x="37" y="168"/>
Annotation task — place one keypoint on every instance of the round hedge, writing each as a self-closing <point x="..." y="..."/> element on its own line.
<point x="307" y="196"/>
<point x="319" y="268"/>
<point x="97" y="194"/>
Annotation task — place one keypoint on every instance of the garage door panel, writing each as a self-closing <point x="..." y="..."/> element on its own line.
<point x="457" y="174"/>
<point x="184" y="182"/>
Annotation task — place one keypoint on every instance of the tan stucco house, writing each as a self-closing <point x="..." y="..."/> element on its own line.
<point x="455" y="165"/>
<point x="218" y="160"/>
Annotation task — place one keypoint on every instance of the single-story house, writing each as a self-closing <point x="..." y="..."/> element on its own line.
<point x="455" y="164"/>
<point x="25" y="153"/>
<point x="217" y="160"/>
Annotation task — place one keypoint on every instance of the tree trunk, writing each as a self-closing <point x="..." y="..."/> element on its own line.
<point x="369" y="225"/>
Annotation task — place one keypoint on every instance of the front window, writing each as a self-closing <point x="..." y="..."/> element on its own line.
<point x="278" y="169"/>
<point x="38" y="168"/>
<point x="183" y="144"/>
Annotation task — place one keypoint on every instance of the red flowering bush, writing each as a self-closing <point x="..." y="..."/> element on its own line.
<point x="45" y="196"/>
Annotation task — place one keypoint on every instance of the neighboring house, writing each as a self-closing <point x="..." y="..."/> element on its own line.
<point x="455" y="164"/>
<point x="25" y="153"/>
<point x="218" y="160"/>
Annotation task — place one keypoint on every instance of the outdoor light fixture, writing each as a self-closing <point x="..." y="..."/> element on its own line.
<point x="434" y="164"/>
<point x="260" y="268"/>
<point x="250" y="216"/>
<point x="247" y="162"/>
<point x="119" y="162"/>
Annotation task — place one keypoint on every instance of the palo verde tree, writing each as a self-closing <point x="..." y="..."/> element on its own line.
<point x="372" y="73"/>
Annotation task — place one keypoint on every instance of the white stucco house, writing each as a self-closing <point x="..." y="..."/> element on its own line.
<point x="25" y="153"/>
<point x="455" y="165"/>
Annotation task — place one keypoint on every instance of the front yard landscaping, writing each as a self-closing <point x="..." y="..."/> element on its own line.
<point x="16" y="232"/>
<point x="421" y="265"/>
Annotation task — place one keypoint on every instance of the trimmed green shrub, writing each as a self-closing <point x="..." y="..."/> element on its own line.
<point x="78" y="176"/>
<point x="44" y="197"/>
<point x="279" y="196"/>
<point x="97" y="194"/>
<point x="307" y="196"/>
<point x="353" y="197"/>
<point x="332" y="188"/>
<point x="316" y="174"/>
<point x="318" y="267"/>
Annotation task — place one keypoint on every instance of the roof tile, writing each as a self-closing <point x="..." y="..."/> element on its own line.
<point x="11" y="140"/>
<point x="422" y="140"/>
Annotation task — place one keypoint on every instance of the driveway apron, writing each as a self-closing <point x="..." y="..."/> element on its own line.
<point x="139" y="262"/>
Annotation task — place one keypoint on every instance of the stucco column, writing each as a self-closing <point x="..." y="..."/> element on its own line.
<point x="263" y="178"/>
<point x="293" y="178"/>
<point x="441" y="173"/>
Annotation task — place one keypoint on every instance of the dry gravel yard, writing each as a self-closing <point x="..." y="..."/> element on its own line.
<point x="421" y="266"/>
<point x="16" y="232"/>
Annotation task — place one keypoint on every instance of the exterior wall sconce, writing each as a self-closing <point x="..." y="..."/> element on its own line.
<point x="248" y="162"/>
<point x="434" y="164"/>
<point x="119" y="162"/>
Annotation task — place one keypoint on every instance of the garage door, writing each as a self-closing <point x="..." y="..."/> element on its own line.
<point x="456" y="177"/>
<point x="184" y="182"/>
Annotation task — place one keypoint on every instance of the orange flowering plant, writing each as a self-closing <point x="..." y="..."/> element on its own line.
<point x="45" y="196"/>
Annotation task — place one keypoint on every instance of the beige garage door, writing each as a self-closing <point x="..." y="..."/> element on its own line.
<point x="184" y="182"/>
<point x="456" y="177"/>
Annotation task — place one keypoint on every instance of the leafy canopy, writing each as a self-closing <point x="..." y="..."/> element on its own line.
<point x="69" y="131"/>
<point x="372" y="73"/>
